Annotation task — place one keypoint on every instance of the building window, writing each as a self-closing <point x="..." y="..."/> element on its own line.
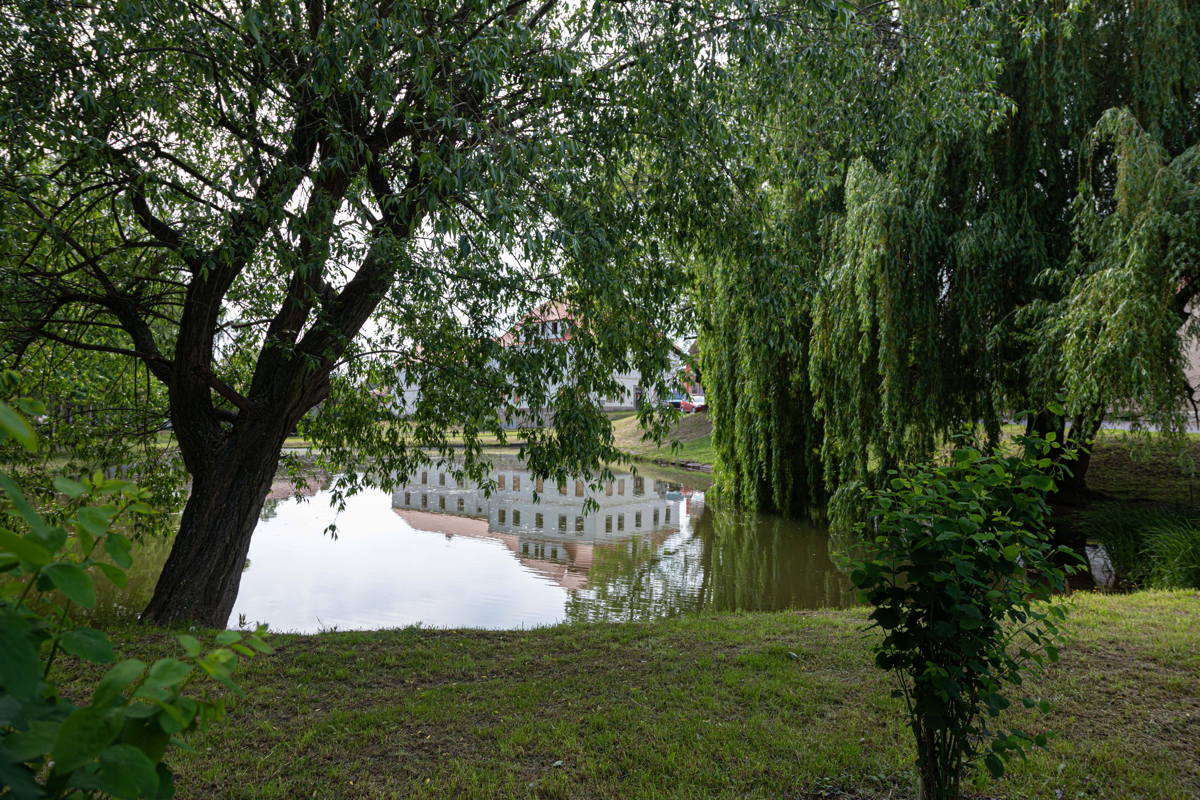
<point x="608" y="489"/>
<point x="579" y="488"/>
<point x="637" y="520"/>
<point x="500" y="516"/>
<point x="579" y="525"/>
<point x="516" y="483"/>
<point x="562" y="523"/>
<point x="441" y="479"/>
<point x="562" y="489"/>
<point x="639" y="487"/>
<point x="500" y="481"/>
<point x="537" y="521"/>
<point x="620" y="522"/>
<point x="608" y="523"/>
<point x="621" y="487"/>
<point x="424" y="477"/>
<point x="516" y="517"/>
<point x="458" y="482"/>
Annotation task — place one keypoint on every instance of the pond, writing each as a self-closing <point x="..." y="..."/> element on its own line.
<point x="439" y="554"/>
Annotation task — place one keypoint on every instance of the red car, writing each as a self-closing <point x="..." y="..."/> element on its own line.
<point x="693" y="403"/>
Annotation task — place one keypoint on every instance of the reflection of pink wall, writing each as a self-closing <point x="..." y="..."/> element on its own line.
<point x="285" y="488"/>
<point x="444" y="523"/>
<point x="571" y="574"/>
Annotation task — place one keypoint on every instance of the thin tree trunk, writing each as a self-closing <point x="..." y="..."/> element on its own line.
<point x="199" y="582"/>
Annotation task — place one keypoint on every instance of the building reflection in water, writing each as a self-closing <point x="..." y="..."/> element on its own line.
<point x="648" y="548"/>
<point x="552" y="536"/>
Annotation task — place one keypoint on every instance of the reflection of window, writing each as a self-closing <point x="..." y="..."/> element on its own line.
<point x="500" y="516"/>
<point x="441" y="479"/>
<point x="540" y="486"/>
<point x="579" y="488"/>
<point x="562" y="489"/>
<point x="462" y="504"/>
<point x="458" y="482"/>
<point x="408" y="498"/>
<point x="608" y="523"/>
<point x="516" y="517"/>
<point x="424" y="501"/>
<point x="608" y="489"/>
<point x="516" y="483"/>
<point x="656" y="517"/>
<point x="562" y="523"/>
<point x="639" y="486"/>
<point x="621" y="487"/>
<point x="637" y="520"/>
<point x="500" y="481"/>
<point x="525" y="548"/>
<point x="579" y="524"/>
<point x="442" y="503"/>
<point x="620" y="522"/>
<point x="537" y="521"/>
<point x="668" y="513"/>
<point x="424" y="477"/>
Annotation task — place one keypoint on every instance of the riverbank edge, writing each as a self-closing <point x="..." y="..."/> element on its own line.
<point x="764" y="704"/>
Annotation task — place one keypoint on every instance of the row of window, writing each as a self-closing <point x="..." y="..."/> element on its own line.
<point x="502" y="482"/>
<point x="539" y="520"/>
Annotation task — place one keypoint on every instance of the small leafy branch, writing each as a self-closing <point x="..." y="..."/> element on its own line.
<point x="115" y="744"/>
<point x="961" y="574"/>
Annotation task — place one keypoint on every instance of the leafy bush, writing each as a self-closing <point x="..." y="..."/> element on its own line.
<point x="114" y="745"/>
<point x="1149" y="546"/>
<point x="958" y="573"/>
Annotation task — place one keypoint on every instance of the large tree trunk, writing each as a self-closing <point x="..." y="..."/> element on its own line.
<point x="199" y="583"/>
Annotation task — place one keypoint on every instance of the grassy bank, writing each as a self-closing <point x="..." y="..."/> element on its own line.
<point x="755" y="705"/>
<point x="690" y="441"/>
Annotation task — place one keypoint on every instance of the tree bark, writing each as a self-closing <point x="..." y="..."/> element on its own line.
<point x="199" y="582"/>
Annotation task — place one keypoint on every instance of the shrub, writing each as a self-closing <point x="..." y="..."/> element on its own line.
<point x="113" y="745"/>
<point x="958" y="573"/>
<point x="1173" y="555"/>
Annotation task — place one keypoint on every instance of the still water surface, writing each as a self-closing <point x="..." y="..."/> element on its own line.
<point x="440" y="554"/>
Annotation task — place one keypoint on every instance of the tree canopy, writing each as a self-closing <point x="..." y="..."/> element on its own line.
<point x="226" y="214"/>
<point x="1001" y="214"/>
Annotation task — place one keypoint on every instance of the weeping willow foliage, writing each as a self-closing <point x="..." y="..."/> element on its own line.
<point x="971" y="233"/>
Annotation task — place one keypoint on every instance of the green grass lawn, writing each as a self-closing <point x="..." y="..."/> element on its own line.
<point x="690" y="440"/>
<point x="765" y="705"/>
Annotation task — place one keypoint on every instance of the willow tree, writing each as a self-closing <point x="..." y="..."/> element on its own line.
<point x="273" y="207"/>
<point x="952" y="269"/>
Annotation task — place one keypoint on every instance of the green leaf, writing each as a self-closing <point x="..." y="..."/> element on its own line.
<point x="994" y="765"/>
<point x="167" y="672"/>
<point x="36" y="524"/>
<point x="14" y="426"/>
<point x="88" y="643"/>
<point x="93" y="520"/>
<point x="24" y="548"/>
<point x="72" y="581"/>
<point x="20" y="668"/>
<point x="118" y="548"/>
<point x="72" y="489"/>
<point x="228" y="637"/>
<point x="191" y="645"/>
<point x="116" y="680"/>
<point x="128" y="772"/>
<point x="82" y="736"/>
<point x="115" y="574"/>
<point x="36" y="741"/>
